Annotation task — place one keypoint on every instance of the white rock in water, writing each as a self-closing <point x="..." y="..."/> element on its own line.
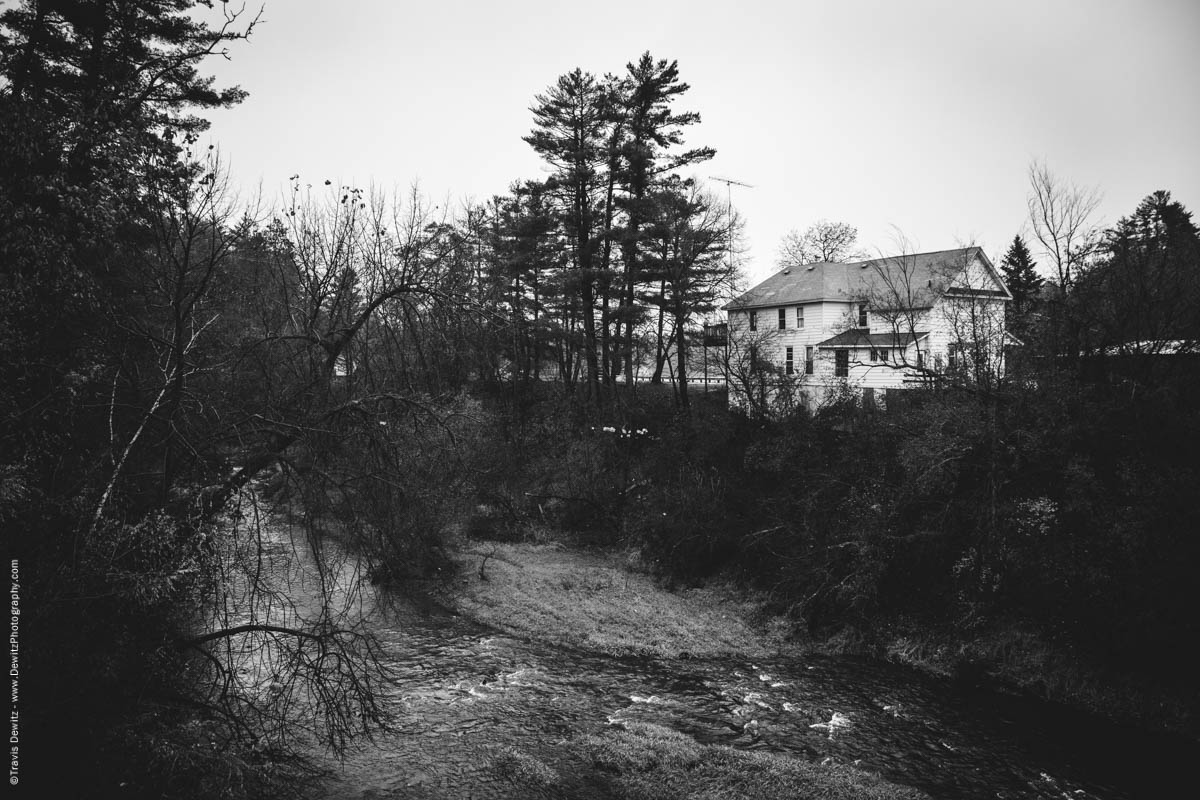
<point x="653" y="699"/>
<point x="836" y="722"/>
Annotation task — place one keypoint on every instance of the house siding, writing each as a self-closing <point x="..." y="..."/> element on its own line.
<point x="951" y="319"/>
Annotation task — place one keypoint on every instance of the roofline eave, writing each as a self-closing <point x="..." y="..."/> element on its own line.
<point x="735" y="306"/>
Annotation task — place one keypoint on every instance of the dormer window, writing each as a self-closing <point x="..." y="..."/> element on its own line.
<point x="862" y="315"/>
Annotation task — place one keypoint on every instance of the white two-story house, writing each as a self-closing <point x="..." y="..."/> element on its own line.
<point x="811" y="332"/>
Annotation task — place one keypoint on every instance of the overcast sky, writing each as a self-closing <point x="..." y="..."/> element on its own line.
<point x="919" y="117"/>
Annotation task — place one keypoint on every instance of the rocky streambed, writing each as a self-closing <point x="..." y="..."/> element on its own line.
<point x="486" y="712"/>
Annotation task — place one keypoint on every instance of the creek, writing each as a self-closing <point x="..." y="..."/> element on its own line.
<point x="464" y="692"/>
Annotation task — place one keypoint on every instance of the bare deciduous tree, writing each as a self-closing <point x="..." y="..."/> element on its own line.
<point x="756" y="384"/>
<point x="1061" y="215"/>
<point x="821" y="241"/>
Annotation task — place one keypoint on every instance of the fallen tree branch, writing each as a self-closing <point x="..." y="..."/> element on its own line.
<point x="258" y="628"/>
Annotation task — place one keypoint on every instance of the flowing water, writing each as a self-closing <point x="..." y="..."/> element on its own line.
<point x="465" y="693"/>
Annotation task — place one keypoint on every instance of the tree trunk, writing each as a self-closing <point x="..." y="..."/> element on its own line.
<point x="681" y="358"/>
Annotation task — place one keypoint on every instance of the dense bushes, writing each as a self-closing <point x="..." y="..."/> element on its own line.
<point x="1064" y="507"/>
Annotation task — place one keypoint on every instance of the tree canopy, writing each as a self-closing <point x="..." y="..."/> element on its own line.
<point x="821" y="241"/>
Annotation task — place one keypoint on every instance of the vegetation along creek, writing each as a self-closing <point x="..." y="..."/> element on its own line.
<point x="485" y="712"/>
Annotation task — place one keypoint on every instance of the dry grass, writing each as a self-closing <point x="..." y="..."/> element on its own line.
<point x="523" y="769"/>
<point x="648" y="762"/>
<point x="595" y="602"/>
<point x="1025" y="659"/>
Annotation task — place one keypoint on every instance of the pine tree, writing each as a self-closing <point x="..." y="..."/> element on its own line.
<point x="649" y="90"/>
<point x="571" y="125"/>
<point x="685" y="266"/>
<point x="1020" y="274"/>
<point x="1146" y="288"/>
<point x="96" y="109"/>
<point x="524" y="277"/>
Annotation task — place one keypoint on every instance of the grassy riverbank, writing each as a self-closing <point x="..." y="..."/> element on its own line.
<point x="648" y="762"/>
<point x="601" y="602"/>
<point x="1016" y="658"/>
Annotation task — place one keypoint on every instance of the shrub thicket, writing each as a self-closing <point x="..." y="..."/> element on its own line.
<point x="1064" y="507"/>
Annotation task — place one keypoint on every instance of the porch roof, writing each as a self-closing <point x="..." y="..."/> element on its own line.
<point x="859" y="338"/>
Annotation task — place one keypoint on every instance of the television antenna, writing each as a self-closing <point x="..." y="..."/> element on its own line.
<point x="729" y="184"/>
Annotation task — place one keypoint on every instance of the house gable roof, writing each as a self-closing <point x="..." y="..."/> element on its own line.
<point x="919" y="278"/>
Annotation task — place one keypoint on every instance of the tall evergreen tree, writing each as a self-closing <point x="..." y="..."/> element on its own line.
<point x="1020" y="274"/>
<point x="97" y="103"/>
<point x="1144" y="293"/>
<point x="655" y="128"/>
<point x="571" y="122"/>
<point x="686" y="266"/>
<point x="525" y="272"/>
